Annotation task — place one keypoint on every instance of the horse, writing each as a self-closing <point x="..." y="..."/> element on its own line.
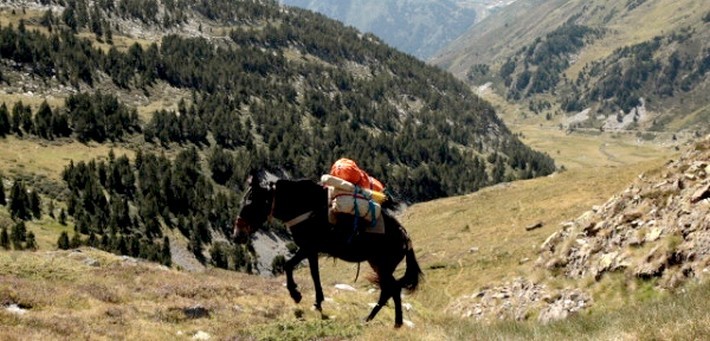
<point x="302" y="206"/>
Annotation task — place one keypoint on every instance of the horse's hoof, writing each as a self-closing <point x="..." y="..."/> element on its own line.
<point x="296" y="296"/>
<point x="318" y="307"/>
<point x="397" y="325"/>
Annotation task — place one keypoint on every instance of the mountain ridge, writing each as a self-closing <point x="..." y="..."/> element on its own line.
<point x="413" y="26"/>
<point x="605" y="74"/>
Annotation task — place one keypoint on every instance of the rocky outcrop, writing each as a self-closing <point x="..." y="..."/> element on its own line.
<point x="519" y="300"/>
<point x="659" y="227"/>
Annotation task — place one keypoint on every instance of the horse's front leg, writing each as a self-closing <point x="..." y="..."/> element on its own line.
<point x="315" y="274"/>
<point x="289" y="266"/>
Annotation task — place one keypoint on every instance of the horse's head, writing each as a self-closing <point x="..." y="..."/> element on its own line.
<point x="256" y="207"/>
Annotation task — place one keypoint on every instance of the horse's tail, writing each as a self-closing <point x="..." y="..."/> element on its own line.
<point x="413" y="274"/>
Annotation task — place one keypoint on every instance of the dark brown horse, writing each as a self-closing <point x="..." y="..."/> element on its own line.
<point x="303" y="207"/>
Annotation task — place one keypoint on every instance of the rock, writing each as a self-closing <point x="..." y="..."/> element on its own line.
<point x="654" y="234"/>
<point x="667" y="209"/>
<point x="344" y="287"/>
<point x="570" y="302"/>
<point x="631" y="216"/>
<point x="91" y="262"/>
<point x="196" y="312"/>
<point x="551" y="241"/>
<point x="200" y="335"/>
<point x="534" y="226"/>
<point x="15" y="309"/>
<point x="701" y="194"/>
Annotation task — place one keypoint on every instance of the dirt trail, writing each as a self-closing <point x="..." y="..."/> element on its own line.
<point x="609" y="156"/>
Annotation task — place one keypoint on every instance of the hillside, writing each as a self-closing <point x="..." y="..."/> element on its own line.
<point x="634" y="65"/>
<point x="463" y="244"/>
<point x="417" y="27"/>
<point x="131" y="125"/>
<point x="657" y="230"/>
<point x="143" y="119"/>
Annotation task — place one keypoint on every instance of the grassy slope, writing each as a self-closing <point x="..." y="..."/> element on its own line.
<point x="117" y="299"/>
<point x="72" y="300"/>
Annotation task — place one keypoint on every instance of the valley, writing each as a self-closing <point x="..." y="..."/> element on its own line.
<point x="526" y="224"/>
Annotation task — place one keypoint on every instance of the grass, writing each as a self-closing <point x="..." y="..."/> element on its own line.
<point x="119" y="299"/>
<point x="684" y="316"/>
<point x="34" y="156"/>
<point x="66" y="298"/>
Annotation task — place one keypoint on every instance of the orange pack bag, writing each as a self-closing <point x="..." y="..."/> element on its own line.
<point x="347" y="169"/>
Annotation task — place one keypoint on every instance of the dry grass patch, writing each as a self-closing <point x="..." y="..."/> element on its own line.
<point x="66" y="297"/>
<point x="48" y="158"/>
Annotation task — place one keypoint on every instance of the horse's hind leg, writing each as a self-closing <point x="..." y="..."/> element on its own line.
<point x="388" y="288"/>
<point x="288" y="267"/>
<point x="381" y="302"/>
<point x="397" y="298"/>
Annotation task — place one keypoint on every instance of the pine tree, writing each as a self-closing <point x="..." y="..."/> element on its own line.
<point x="62" y="217"/>
<point x="165" y="255"/>
<point x="105" y="243"/>
<point x="19" y="202"/>
<point x="5" y="123"/>
<point x="50" y="208"/>
<point x="75" y="241"/>
<point x="16" y="119"/>
<point x="35" y="205"/>
<point x="26" y="119"/>
<point x="31" y="243"/>
<point x="43" y="121"/>
<point x="18" y="235"/>
<point x="4" y="239"/>
<point x="219" y="256"/>
<point x="122" y="245"/>
<point x="92" y="241"/>
<point x="63" y="241"/>
<point x="2" y="193"/>
<point x="195" y="245"/>
<point x="240" y="257"/>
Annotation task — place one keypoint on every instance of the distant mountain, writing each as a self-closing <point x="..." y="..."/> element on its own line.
<point x="418" y="27"/>
<point x="637" y="64"/>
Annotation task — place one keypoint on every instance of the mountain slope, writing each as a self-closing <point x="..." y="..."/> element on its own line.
<point x="465" y="245"/>
<point x="194" y="96"/>
<point x="648" y="59"/>
<point x="417" y="27"/>
<point x="658" y="229"/>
